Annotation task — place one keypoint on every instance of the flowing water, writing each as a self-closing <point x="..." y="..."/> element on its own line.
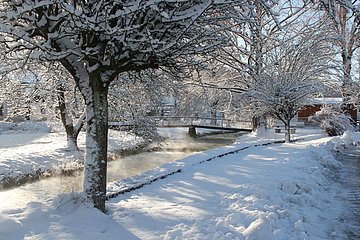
<point x="177" y="146"/>
<point x="349" y="177"/>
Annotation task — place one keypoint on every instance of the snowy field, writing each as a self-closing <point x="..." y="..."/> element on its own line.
<point x="278" y="191"/>
<point x="28" y="148"/>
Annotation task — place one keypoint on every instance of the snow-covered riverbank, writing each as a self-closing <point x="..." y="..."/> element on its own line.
<point x="32" y="150"/>
<point x="278" y="191"/>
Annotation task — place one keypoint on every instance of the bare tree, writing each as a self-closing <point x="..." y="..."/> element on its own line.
<point x="97" y="40"/>
<point x="345" y="20"/>
<point x="296" y="69"/>
<point x="251" y="40"/>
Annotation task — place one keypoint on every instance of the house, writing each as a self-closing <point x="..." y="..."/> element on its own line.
<point x="314" y="105"/>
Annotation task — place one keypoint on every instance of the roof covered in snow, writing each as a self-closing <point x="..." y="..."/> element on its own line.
<point x="325" y="100"/>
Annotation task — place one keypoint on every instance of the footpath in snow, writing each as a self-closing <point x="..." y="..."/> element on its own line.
<point x="277" y="191"/>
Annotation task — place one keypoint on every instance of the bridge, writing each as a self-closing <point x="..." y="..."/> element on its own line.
<point x="192" y="123"/>
<point x="202" y="122"/>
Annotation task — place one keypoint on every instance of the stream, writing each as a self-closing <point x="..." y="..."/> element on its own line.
<point x="177" y="146"/>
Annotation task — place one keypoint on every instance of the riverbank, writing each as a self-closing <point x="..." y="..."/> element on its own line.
<point x="31" y="151"/>
<point x="278" y="191"/>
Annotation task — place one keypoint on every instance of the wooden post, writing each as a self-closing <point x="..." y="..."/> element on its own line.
<point x="192" y="131"/>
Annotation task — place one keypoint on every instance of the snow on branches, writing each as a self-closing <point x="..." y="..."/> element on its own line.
<point x="293" y="71"/>
<point x="116" y="35"/>
<point x="97" y="40"/>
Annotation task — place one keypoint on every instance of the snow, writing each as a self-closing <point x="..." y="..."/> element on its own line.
<point x="326" y="100"/>
<point x="28" y="148"/>
<point x="276" y="191"/>
<point x="61" y="219"/>
<point x="255" y="194"/>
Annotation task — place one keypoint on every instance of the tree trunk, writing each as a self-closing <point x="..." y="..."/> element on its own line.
<point x="259" y="122"/>
<point x="346" y="55"/>
<point x="346" y="90"/>
<point x="72" y="132"/>
<point x="346" y="84"/>
<point x="76" y="130"/>
<point x="95" y="93"/>
<point x="287" y="131"/>
<point x="255" y="123"/>
<point x="213" y="116"/>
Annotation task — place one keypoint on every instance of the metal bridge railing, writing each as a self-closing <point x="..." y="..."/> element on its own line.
<point x="200" y="121"/>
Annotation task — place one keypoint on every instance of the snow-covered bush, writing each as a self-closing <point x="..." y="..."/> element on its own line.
<point x="332" y="121"/>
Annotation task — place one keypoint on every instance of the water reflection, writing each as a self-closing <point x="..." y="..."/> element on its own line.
<point x="175" y="148"/>
<point x="40" y="191"/>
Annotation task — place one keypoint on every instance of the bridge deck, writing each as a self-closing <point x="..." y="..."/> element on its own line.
<point x="205" y="126"/>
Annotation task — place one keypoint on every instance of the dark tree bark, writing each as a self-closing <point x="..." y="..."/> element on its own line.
<point x="287" y="130"/>
<point x="72" y="131"/>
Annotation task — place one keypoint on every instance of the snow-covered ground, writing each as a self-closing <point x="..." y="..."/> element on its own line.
<point x="32" y="148"/>
<point x="277" y="191"/>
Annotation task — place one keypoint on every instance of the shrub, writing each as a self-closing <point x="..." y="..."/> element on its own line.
<point x="332" y="121"/>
